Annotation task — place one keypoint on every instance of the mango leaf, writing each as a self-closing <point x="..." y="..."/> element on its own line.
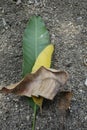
<point x="35" y="39"/>
<point x="44" y="82"/>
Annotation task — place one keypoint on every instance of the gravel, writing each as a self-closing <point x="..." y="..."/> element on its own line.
<point x="67" y="24"/>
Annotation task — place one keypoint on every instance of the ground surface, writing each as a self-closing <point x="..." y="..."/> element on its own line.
<point x="67" y="24"/>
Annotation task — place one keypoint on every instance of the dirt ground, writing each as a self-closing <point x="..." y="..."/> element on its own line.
<point x="66" y="21"/>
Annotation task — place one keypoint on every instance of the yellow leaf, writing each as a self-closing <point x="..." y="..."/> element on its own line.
<point x="44" y="59"/>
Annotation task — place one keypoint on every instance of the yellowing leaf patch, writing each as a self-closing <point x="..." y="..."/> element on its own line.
<point x="44" y="58"/>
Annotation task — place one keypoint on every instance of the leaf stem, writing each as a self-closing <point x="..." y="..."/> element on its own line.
<point x="34" y="118"/>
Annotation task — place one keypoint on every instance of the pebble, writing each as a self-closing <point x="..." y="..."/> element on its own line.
<point x="79" y="18"/>
<point x="30" y="1"/>
<point x="81" y="91"/>
<point x="0" y="112"/>
<point x="37" y="128"/>
<point x="86" y="82"/>
<point x="4" y="22"/>
<point x="8" y="98"/>
<point x="28" y="117"/>
<point x="85" y="117"/>
<point x="18" y="2"/>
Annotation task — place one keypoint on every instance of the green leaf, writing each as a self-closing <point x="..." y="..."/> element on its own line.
<point x="32" y="103"/>
<point x="35" y="39"/>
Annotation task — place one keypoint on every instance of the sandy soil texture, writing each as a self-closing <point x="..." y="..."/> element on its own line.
<point x="66" y="21"/>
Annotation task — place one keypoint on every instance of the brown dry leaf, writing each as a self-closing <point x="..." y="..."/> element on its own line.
<point x="64" y="100"/>
<point x="44" y="82"/>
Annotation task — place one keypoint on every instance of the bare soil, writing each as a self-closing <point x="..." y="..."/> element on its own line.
<point x="66" y="21"/>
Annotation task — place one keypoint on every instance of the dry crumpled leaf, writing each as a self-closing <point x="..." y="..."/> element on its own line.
<point x="44" y="82"/>
<point x="64" y="100"/>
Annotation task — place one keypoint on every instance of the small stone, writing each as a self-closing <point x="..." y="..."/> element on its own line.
<point x="3" y="11"/>
<point x="16" y="106"/>
<point x="85" y="117"/>
<point x="7" y="98"/>
<point x="79" y="18"/>
<point x="0" y="112"/>
<point x="86" y="82"/>
<point x="30" y="1"/>
<point x="28" y="117"/>
<point x="80" y="90"/>
<point x="18" y="2"/>
<point x="4" y="22"/>
<point x="37" y="128"/>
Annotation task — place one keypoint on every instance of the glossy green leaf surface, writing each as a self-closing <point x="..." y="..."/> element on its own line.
<point x="35" y="39"/>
